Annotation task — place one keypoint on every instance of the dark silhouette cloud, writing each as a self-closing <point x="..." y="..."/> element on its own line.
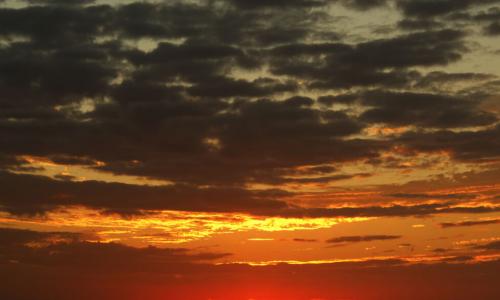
<point x="429" y="8"/>
<point x="278" y="3"/>
<point x="47" y="194"/>
<point x="10" y="237"/>
<point x="495" y="245"/>
<point x="56" y="249"/>
<point x="216" y="96"/>
<point x="419" y="24"/>
<point x="381" y="62"/>
<point x="61" y="2"/>
<point x="363" y="4"/>
<point x="424" y="110"/>
<point x="478" y="146"/>
<point x="111" y="270"/>
<point x="302" y="240"/>
<point x="436" y="79"/>
<point x="460" y="196"/>
<point x="361" y="238"/>
<point x="469" y="223"/>
<point x="493" y="28"/>
<point x="458" y="259"/>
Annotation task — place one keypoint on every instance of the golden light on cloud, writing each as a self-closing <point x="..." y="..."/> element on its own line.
<point x="83" y="169"/>
<point x="166" y="227"/>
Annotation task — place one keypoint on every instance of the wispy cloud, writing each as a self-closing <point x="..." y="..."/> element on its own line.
<point x="469" y="223"/>
<point x="361" y="238"/>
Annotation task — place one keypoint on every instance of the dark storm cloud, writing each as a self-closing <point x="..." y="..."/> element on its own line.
<point x="458" y="259"/>
<point x="277" y="3"/>
<point x="436" y="79"/>
<point x="72" y="160"/>
<point x="419" y="24"/>
<point x="493" y="28"/>
<point x="429" y="8"/>
<point x="34" y="80"/>
<point x="361" y="238"/>
<point x="46" y="194"/>
<point x="10" y="237"/>
<point x="424" y="110"/>
<point x="482" y="145"/>
<point x="469" y="223"/>
<point x="362" y="4"/>
<point x="417" y="49"/>
<point x="486" y="18"/>
<point x="491" y="14"/>
<point x="55" y="24"/>
<point x="302" y="240"/>
<point x="245" y="133"/>
<point x="114" y="256"/>
<point x="433" y="196"/>
<point x="489" y="246"/>
<point x="180" y="59"/>
<point x="227" y="87"/>
<point x="422" y="48"/>
<point x="60" y="2"/>
<point x="251" y="26"/>
<point x="49" y="26"/>
<point x="381" y="62"/>
<point x="323" y="179"/>
<point x="346" y="99"/>
<point x="77" y="89"/>
<point x="65" y="249"/>
<point x="440" y="250"/>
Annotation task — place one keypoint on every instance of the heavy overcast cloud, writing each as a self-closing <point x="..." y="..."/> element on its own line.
<point x="226" y="94"/>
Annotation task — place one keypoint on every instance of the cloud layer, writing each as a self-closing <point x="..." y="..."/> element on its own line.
<point x="217" y="97"/>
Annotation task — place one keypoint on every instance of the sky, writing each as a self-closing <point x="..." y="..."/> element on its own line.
<point x="250" y="149"/>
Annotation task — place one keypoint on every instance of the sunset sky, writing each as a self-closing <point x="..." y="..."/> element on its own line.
<point x="250" y="149"/>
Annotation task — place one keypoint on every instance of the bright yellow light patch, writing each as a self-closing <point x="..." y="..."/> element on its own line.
<point x="164" y="227"/>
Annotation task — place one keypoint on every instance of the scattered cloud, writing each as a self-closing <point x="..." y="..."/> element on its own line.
<point x="469" y="223"/>
<point x="361" y="238"/>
